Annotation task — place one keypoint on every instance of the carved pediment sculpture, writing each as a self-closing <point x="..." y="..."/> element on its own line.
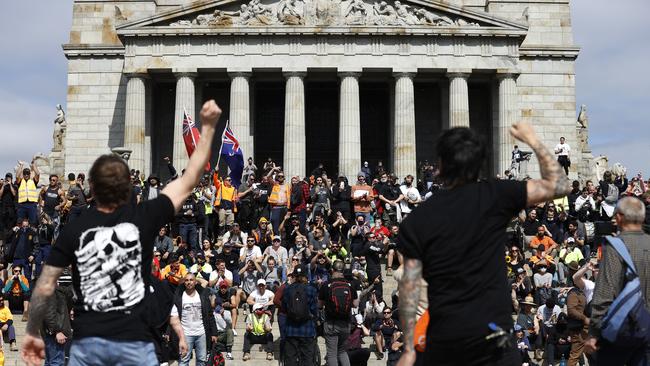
<point x="325" y="12"/>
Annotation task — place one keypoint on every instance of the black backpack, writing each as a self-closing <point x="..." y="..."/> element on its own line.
<point x="339" y="304"/>
<point x="296" y="195"/>
<point x="298" y="304"/>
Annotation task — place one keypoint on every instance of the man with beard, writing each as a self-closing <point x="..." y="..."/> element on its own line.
<point x="411" y="196"/>
<point x="341" y="197"/>
<point x="245" y="195"/>
<point x="152" y="189"/>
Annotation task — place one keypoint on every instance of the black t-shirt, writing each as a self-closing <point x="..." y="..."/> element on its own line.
<point x="111" y="258"/>
<point x="459" y="235"/>
<point x="230" y="259"/>
<point x="530" y="227"/>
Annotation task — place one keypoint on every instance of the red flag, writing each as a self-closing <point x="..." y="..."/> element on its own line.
<point x="191" y="136"/>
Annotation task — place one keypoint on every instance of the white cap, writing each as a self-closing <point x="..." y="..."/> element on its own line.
<point x="261" y="281"/>
<point x="258" y="307"/>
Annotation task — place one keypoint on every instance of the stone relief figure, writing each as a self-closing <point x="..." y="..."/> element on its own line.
<point x="384" y="14"/>
<point x="255" y="14"/>
<point x="404" y="14"/>
<point x="583" y="120"/>
<point x="60" y="125"/>
<point x="323" y="11"/>
<point x="428" y="18"/>
<point x="289" y="13"/>
<point x="356" y="12"/>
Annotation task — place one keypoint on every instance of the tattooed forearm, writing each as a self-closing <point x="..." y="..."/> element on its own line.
<point x="409" y="295"/>
<point x="38" y="303"/>
<point x="554" y="182"/>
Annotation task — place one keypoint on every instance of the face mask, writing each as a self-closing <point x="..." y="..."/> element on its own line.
<point x="384" y="180"/>
<point x="542" y="270"/>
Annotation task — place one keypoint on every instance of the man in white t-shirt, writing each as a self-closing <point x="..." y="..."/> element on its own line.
<point x="220" y="275"/>
<point x="562" y="151"/>
<point x="261" y="296"/>
<point x="411" y="196"/>
<point x="251" y="252"/>
<point x="193" y="312"/>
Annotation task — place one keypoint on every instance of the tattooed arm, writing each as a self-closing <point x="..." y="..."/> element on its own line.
<point x="409" y="295"/>
<point x="554" y="183"/>
<point x="33" y="351"/>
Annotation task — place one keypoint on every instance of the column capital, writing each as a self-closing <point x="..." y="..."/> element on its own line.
<point x="345" y="74"/>
<point x="404" y="74"/>
<point x="300" y="74"/>
<point x="507" y="73"/>
<point x="136" y="74"/>
<point x="190" y="73"/>
<point x="240" y="74"/>
<point x="459" y="73"/>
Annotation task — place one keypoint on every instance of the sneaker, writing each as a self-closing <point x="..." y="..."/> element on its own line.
<point x="25" y="317"/>
<point x="13" y="347"/>
<point x="389" y="272"/>
<point x="247" y="356"/>
<point x="380" y="355"/>
<point x="234" y="333"/>
<point x="538" y="354"/>
<point x="269" y="356"/>
<point x="229" y="356"/>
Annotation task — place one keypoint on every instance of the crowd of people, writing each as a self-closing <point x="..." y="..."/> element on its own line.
<point x="305" y="255"/>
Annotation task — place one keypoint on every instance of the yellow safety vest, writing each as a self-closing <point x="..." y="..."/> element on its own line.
<point x="274" y="197"/>
<point x="27" y="191"/>
<point x="258" y="324"/>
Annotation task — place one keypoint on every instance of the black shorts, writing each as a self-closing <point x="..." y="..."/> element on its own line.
<point x="564" y="160"/>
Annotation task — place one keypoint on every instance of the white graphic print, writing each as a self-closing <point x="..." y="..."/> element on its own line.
<point x="110" y="268"/>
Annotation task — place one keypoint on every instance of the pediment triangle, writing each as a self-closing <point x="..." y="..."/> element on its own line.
<point x="322" y="13"/>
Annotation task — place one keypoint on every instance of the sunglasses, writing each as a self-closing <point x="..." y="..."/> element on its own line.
<point x="157" y="255"/>
<point x="16" y="271"/>
<point x="294" y="259"/>
<point x="386" y="312"/>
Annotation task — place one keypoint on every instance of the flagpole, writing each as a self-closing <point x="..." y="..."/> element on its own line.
<point x="221" y="146"/>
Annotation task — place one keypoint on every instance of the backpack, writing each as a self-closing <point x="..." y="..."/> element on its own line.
<point x="296" y="195"/>
<point x="339" y="304"/>
<point x="298" y="305"/>
<point x="215" y="358"/>
<point x="627" y="321"/>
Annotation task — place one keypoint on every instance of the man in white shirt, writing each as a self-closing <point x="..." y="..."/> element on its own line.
<point x="261" y="296"/>
<point x="220" y="275"/>
<point x="411" y="196"/>
<point x="251" y="252"/>
<point x="562" y="151"/>
<point x="193" y="311"/>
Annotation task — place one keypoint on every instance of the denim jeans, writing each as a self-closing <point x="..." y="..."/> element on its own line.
<point x="277" y="215"/>
<point x="189" y="233"/>
<point x="54" y="352"/>
<point x="92" y="351"/>
<point x="28" y="210"/>
<point x="199" y="344"/>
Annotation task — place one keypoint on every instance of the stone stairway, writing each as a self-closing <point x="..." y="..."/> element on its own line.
<point x="257" y="357"/>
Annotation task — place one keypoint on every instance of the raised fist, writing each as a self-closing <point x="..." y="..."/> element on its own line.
<point x="210" y="114"/>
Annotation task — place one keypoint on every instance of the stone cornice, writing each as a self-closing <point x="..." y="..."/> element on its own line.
<point x="324" y="31"/>
<point x="570" y="52"/>
<point x="82" y="50"/>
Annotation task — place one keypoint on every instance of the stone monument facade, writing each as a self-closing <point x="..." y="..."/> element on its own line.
<point x="308" y="81"/>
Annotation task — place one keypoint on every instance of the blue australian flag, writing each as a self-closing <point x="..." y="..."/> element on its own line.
<point x="233" y="156"/>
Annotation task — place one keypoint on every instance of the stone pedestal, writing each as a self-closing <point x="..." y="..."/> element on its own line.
<point x="458" y="99"/>
<point x="135" y="120"/>
<point x="404" y="132"/>
<point x="508" y="115"/>
<point x="184" y="102"/>
<point x="294" y="125"/>
<point x="240" y="112"/>
<point x="349" y="125"/>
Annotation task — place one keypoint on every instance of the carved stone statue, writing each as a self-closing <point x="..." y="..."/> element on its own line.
<point x="426" y="17"/>
<point x="60" y="126"/>
<point x="384" y="14"/>
<point x="356" y="12"/>
<point x="404" y="14"/>
<point x="289" y="13"/>
<point x="583" y="120"/>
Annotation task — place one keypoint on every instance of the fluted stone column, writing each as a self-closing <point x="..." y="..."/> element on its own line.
<point x="294" y="125"/>
<point x="404" y="132"/>
<point x="458" y="99"/>
<point x="135" y="120"/>
<point x="240" y="111"/>
<point x="184" y="101"/>
<point x="508" y="114"/>
<point x="349" y="125"/>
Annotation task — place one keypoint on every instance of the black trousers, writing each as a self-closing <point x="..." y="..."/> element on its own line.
<point x="359" y="356"/>
<point x="299" y="351"/>
<point x="564" y="162"/>
<point x="475" y="351"/>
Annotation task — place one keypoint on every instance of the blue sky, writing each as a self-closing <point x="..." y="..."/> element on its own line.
<point x="612" y="77"/>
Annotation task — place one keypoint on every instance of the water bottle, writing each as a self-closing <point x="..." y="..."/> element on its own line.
<point x="563" y="361"/>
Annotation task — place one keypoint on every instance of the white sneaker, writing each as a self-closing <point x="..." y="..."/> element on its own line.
<point x="229" y="355"/>
<point x="234" y="333"/>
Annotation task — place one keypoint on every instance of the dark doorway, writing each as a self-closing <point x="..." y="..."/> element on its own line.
<point x="375" y="105"/>
<point x="480" y="119"/>
<point x="322" y="126"/>
<point x="428" y="121"/>
<point x="220" y="92"/>
<point x="269" y="122"/>
<point x="162" y="139"/>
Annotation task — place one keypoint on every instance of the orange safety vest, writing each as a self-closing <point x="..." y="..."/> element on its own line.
<point x="223" y="192"/>
<point x="274" y="197"/>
